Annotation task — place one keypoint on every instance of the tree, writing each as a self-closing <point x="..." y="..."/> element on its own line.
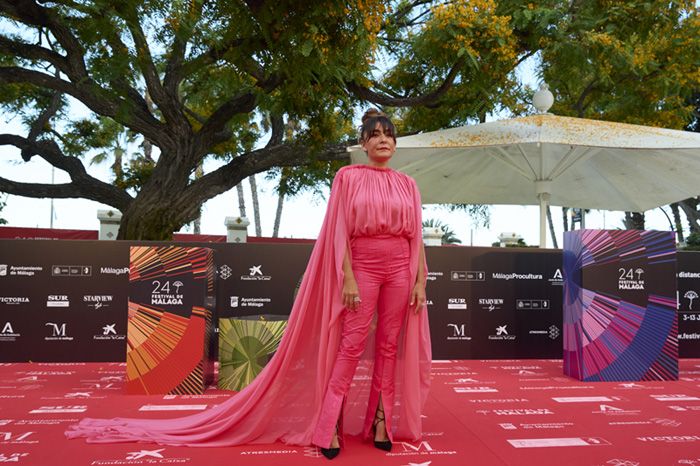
<point x="634" y="220"/>
<point x="211" y="69"/>
<point x="214" y="71"/>
<point x="448" y="236"/>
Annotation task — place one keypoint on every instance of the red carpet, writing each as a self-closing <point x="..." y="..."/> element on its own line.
<point x="515" y="412"/>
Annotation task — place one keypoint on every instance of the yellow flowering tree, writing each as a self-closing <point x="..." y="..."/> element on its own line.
<point x="196" y="79"/>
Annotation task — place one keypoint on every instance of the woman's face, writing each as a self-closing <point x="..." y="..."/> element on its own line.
<point x="379" y="145"/>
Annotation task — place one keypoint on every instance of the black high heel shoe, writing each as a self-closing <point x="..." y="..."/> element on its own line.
<point x="331" y="453"/>
<point x="381" y="444"/>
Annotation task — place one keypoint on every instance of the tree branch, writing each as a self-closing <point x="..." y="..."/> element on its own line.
<point x="82" y="185"/>
<point x="276" y="130"/>
<point x="216" y="123"/>
<point x="28" y="11"/>
<point x="34" y="52"/>
<point x="579" y="105"/>
<point x="425" y="99"/>
<point x="173" y="68"/>
<point x="139" y="120"/>
<point x="39" y="125"/>
<point x="257" y="161"/>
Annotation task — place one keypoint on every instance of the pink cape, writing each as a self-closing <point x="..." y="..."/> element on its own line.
<point x="283" y="403"/>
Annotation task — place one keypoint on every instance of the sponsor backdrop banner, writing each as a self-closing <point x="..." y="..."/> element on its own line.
<point x="67" y="300"/>
<point x="620" y="307"/>
<point x="171" y="305"/>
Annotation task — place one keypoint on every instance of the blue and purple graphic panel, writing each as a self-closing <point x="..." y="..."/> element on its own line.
<point x="620" y="314"/>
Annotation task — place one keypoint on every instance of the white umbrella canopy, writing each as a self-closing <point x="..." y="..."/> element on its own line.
<point x="544" y="158"/>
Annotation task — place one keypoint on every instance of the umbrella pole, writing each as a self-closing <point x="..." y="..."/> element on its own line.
<point x="543" y="219"/>
<point x="543" y="188"/>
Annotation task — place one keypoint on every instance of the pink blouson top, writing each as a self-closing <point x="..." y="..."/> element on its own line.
<point x="380" y="201"/>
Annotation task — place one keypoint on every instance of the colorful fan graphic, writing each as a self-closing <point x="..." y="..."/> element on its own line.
<point x="245" y="347"/>
<point x="620" y="317"/>
<point x="170" y="320"/>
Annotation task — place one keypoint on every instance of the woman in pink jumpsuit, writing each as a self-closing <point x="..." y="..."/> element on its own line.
<point x="381" y="219"/>
<point x="368" y="255"/>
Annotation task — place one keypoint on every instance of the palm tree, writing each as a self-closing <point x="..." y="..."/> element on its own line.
<point x="448" y="236"/>
<point x="3" y="203"/>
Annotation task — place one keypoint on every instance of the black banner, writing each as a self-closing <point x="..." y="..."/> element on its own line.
<point x="67" y="300"/>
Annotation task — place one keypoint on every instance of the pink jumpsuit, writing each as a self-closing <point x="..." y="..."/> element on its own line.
<point x="381" y="221"/>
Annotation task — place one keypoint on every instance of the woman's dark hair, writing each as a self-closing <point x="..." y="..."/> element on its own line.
<point x="369" y="123"/>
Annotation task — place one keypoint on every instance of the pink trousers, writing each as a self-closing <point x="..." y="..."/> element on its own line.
<point x="381" y="268"/>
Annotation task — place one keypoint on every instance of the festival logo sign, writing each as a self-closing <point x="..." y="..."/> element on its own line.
<point x="154" y="456"/>
<point x="558" y="442"/>
<point x="114" y="271"/>
<point x="58" y="332"/>
<point x="98" y="301"/>
<point x="423" y="447"/>
<point x="19" y="270"/>
<point x="59" y="409"/>
<point x="552" y="332"/>
<point x="224" y="272"/>
<point x="532" y="304"/>
<point x="109" y="333"/>
<point x="517" y="412"/>
<point x="471" y="389"/>
<point x="457" y="304"/>
<point x="57" y="300"/>
<point x="467" y="275"/>
<point x="14" y="300"/>
<point x="16" y="438"/>
<point x="15" y="458"/>
<point x="71" y="271"/>
<point x="630" y="278"/>
<point x="7" y="333"/>
<point x="610" y="410"/>
<point x="675" y="397"/>
<point x="516" y="276"/>
<point x="257" y="302"/>
<point x="556" y="278"/>
<point x="670" y="439"/>
<point x="690" y="295"/>
<point x="491" y="304"/>
<point x="536" y="425"/>
<point x="459" y="332"/>
<point x="502" y="334"/>
<point x="499" y="400"/>
<point x="167" y="293"/>
<point x="256" y="274"/>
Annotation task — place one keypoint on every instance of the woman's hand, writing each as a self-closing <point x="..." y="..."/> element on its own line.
<point x="418" y="297"/>
<point x="351" y="294"/>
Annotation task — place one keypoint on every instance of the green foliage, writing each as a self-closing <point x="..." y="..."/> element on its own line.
<point x="199" y="79"/>
<point x="692" y="242"/>
<point x="3" y="203"/>
<point x="633" y="62"/>
<point x="448" y="236"/>
<point x="479" y="213"/>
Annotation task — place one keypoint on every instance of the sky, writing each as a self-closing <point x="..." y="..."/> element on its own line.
<point x="301" y="218"/>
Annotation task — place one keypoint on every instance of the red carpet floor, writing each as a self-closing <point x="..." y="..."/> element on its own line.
<point x="515" y="412"/>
